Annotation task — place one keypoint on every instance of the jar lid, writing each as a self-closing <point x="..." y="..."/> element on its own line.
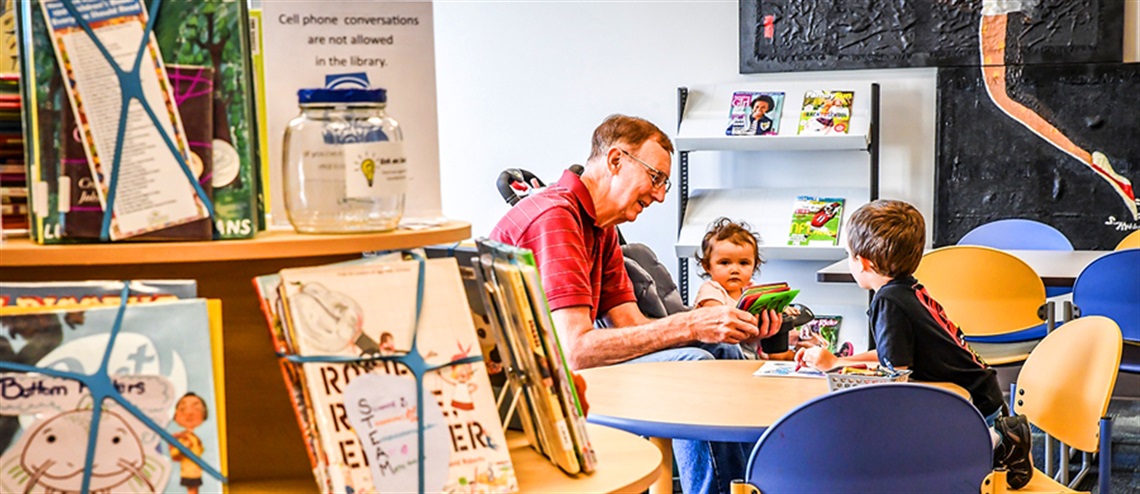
<point x="354" y="95"/>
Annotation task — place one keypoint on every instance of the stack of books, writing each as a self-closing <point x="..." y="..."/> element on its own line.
<point x="343" y="332"/>
<point x="538" y="375"/>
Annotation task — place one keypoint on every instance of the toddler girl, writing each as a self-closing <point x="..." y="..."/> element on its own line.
<point x="730" y="256"/>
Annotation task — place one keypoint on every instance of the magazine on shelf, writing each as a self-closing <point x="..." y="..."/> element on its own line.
<point x="780" y="368"/>
<point x="755" y="113"/>
<point x="816" y="221"/>
<point x="166" y="361"/>
<point x="364" y="413"/>
<point x="826" y="112"/>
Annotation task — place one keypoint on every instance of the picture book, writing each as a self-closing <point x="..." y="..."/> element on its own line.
<point x="268" y="294"/>
<point x="782" y="368"/>
<point x="755" y="113"/>
<point x="773" y="296"/>
<point x="365" y="413"/>
<point x="67" y="294"/>
<point x="215" y="34"/>
<point x="826" y="112"/>
<point x="166" y="361"/>
<point x="816" y="221"/>
<point x="827" y="327"/>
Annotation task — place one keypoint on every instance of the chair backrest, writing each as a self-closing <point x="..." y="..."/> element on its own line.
<point x="877" y="438"/>
<point x="1110" y="287"/>
<point x="1132" y="241"/>
<point x="1017" y="234"/>
<point x="985" y="291"/>
<point x="1065" y="384"/>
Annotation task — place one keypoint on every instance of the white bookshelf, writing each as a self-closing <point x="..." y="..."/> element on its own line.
<point x="768" y="200"/>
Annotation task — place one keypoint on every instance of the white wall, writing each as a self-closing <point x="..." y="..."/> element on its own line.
<point x="523" y="84"/>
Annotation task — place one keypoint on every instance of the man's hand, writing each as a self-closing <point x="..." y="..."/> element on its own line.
<point x="722" y="324"/>
<point x="818" y="358"/>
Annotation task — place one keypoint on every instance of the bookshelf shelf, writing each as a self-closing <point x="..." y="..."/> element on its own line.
<point x="268" y="245"/>
<point x="771" y="143"/>
<point x="703" y="117"/>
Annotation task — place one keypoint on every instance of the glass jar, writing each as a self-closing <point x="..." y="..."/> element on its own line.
<point x="345" y="169"/>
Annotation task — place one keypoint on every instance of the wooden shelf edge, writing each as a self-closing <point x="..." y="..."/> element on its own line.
<point x="267" y="245"/>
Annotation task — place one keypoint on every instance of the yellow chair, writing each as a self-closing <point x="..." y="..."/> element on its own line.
<point x="1064" y="388"/>
<point x="986" y="292"/>
<point x="1132" y="241"/>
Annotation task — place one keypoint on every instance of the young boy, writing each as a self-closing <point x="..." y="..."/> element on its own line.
<point x="911" y="331"/>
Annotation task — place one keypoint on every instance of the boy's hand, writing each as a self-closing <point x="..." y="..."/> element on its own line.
<point x="722" y="324"/>
<point x="818" y="358"/>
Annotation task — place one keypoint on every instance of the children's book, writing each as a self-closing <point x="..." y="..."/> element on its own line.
<point x="755" y="113"/>
<point x="365" y="413"/>
<point x="166" y="361"/>
<point x="779" y="368"/>
<point x="816" y="221"/>
<point x="268" y="294"/>
<point x="826" y="112"/>
<point x="773" y="296"/>
<point x="550" y="412"/>
<point x="67" y="294"/>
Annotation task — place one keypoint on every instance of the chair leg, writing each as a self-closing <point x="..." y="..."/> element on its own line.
<point x="1048" y="456"/>
<point x="1105" y="452"/>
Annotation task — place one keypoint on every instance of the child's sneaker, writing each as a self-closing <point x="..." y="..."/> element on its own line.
<point x="1014" y="451"/>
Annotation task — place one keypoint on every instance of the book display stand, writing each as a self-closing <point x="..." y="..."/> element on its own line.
<point x="770" y="169"/>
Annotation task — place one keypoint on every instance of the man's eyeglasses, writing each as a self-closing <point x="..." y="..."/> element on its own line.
<point x="656" y="177"/>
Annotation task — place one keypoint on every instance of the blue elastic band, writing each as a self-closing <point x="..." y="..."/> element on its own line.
<point x="102" y="388"/>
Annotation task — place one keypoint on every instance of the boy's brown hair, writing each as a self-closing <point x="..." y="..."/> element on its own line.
<point x="633" y="131"/>
<point x="725" y="229"/>
<point x="890" y="234"/>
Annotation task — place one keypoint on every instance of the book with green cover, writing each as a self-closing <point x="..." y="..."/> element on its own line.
<point x="771" y="296"/>
<point x="816" y="221"/>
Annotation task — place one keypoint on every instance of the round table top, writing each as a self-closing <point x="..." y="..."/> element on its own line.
<point x="626" y="463"/>
<point x="714" y="400"/>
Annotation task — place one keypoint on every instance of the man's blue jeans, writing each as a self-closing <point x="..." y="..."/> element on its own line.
<point x="705" y="467"/>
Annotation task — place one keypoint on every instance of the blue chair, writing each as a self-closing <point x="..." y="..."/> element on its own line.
<point x="884" y="438"/>
<point x="1110" y="287"/>
<point x="1019" y="234"/>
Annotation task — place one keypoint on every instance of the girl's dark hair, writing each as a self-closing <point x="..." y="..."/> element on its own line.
<point x="725" y="229"/>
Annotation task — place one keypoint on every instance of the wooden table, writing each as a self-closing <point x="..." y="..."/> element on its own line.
<point x="1056" y="267"/>
<point x="626" y="463"/>
<point x="711" y="400"/>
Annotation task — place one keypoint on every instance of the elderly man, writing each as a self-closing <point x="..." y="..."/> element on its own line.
<point x="570" y="228"/>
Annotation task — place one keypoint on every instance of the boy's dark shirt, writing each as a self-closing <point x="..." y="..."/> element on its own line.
<point x="911" y="330"/>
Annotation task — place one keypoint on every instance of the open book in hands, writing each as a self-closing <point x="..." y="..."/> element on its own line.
<point x="775" y="296"/>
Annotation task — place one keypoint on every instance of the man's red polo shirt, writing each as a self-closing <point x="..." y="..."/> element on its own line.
<point x="581" y="264"/>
